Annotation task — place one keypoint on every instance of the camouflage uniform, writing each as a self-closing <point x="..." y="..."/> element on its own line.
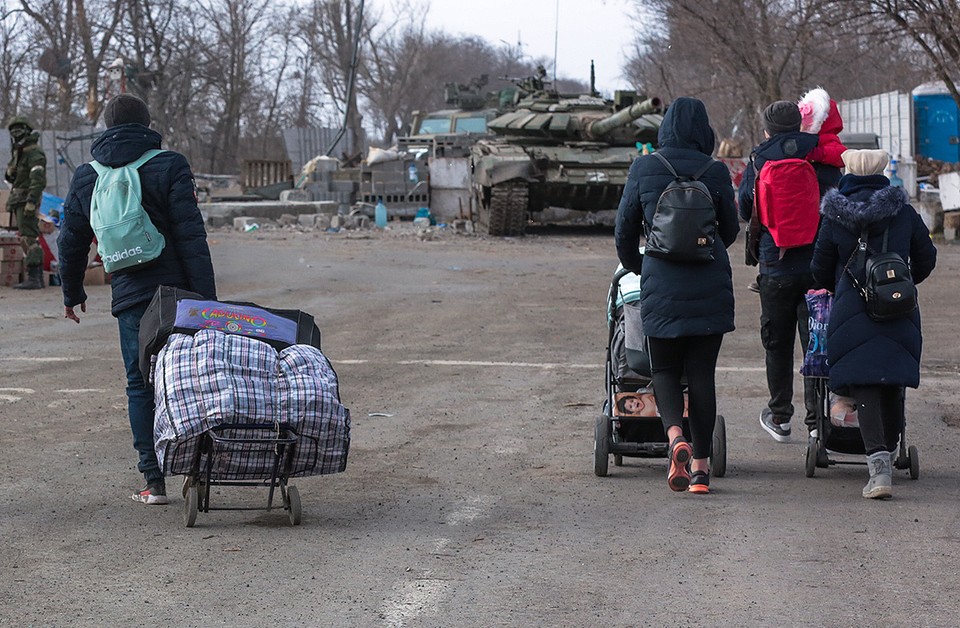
<point x="27" y="174"/>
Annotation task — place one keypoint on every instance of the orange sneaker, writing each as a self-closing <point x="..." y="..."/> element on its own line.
<point x="678" y="477"/>
<point x="700" y="482"/>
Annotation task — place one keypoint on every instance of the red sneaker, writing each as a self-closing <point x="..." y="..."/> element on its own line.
<point x="152" y="495"/>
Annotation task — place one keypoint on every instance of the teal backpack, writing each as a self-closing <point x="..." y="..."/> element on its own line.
<point x="125" y="234"/>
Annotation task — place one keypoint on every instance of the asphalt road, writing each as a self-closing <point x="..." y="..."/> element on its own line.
<point x="474" y="371"/>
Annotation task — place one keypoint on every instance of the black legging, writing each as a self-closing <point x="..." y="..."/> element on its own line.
<point x="695" y="356"/>
<point x="880" y="414"/>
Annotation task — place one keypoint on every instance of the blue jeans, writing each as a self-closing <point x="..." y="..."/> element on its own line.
<point x="140" y="402"/>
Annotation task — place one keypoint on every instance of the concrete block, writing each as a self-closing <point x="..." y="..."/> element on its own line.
<point x="322" y="221"/>
<point x="328" y="207"/>
<point x="307" y="220"/>
<point x="951" y="220"/>
<point x="949" y="233"/>
<point x="949" y="184"/>
<point x="240" y="223"/>
<point x="343" y="186"/>
<point x="463" y="226"/>
<point x="295" y="196"/>
<point x="287" y="219"/>
<point x="336" y="222"/>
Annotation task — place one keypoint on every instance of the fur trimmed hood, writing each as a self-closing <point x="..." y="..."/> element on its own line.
<point x="855" y="214"/>
<point x="814" y="109"/>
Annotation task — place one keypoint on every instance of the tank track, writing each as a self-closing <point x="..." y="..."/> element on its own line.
<point x="507" y="213"/>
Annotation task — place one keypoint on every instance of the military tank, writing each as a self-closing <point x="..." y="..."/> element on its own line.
<point x="555" y="150"/>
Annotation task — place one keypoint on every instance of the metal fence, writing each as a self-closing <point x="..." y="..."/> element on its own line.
<point x="889" y="115"/>
<point x="303" y="144"/>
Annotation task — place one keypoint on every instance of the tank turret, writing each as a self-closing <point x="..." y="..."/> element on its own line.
<point x="558" y="150"/>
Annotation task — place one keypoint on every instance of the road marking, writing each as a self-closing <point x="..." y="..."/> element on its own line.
<point x="527" y="365"/>
<point x="48" y="359"/>
<point x="81" y="390"/>
<point x="28" y="391"/>
<point x="541" y="365"/>
<point x="9" y="398"/>
<point x="417" y="597"/>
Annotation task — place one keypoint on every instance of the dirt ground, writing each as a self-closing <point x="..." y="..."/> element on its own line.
<point x="473" y="368"/>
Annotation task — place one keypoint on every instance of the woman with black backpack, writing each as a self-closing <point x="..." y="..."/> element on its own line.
<point x="873" y="349"/>
<point x="686" y="295"/>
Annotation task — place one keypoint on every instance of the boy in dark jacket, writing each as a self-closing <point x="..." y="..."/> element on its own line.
<point x="168" y="196"/>
<point x="784" y="277"/>
<point x="871" y="361"/>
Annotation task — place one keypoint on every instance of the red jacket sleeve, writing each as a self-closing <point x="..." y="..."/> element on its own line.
<point x="828" y="151"/>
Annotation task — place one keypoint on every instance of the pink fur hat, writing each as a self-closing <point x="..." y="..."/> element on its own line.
<point x="814" y="109"/>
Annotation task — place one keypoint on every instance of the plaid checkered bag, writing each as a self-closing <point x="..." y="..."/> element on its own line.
<point x="211" y="378"/>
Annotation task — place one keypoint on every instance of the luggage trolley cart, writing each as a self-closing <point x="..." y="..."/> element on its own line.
<point x="243" y="454"/>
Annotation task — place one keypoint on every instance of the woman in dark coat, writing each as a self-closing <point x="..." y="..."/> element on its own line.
<point x="685" y="307"/>
<point x="871" y="361"/>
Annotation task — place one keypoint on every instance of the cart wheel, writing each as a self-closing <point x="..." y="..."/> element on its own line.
<point x="293" y="504"/>
<point x="914" y="456"/>
<point x="601" y="446"/>
<point x="718" y="461"/>
<point x="811" y="457"/>
<point x="190" y="506"/>
<point x="617" y="460"/>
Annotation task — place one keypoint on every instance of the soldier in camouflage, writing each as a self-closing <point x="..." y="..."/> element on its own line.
<point x="27" y="174"/>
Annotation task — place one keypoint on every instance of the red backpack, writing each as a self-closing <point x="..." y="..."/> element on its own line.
<point x="787" y="201"/>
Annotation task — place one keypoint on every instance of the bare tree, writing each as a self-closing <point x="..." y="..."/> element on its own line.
<point x="236" y="33"/>
<point x="80" y="29"/>
<point x="16" y="49"/>
<point x="331" y="29"/>
<point x="740" y="55"/>
<point x="932" y="25"/>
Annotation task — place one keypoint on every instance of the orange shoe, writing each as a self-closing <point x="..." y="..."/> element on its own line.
<point x="678" y="477"/>
<point x="700" y="482"/>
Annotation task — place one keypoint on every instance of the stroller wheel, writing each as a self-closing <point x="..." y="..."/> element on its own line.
<point x="601" y="446"/>
<point x="718" y="461"/>
<point x="914" y="456"/>
<point x="811" y="457"/>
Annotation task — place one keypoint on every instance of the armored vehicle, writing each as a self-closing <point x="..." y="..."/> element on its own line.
<point x="450" y="132"/>
<point x="554" y="150"/>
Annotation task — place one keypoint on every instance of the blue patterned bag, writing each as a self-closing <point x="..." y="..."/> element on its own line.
<point x="819" y="304"/>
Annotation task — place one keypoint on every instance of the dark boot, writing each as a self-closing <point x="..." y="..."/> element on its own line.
<point x="34" y="280"/>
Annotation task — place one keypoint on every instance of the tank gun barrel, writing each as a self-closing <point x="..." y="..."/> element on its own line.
<point x="599" y="128"/>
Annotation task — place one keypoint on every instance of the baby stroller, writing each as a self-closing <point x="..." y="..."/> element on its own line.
<point x="635" y="430"/>
<point x="838" y="436"/>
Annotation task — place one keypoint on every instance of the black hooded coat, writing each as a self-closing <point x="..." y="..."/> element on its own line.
<point x="861" y="351"/>
<point x="680" y="299"/>
<point x="169" y="198"/>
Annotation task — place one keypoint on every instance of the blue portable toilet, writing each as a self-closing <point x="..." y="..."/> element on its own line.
<point x="937" y="123"/>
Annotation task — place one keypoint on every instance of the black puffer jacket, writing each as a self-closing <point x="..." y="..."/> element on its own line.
<point x="861" y="351"/>
<point x="679" y="299"/>
<point x="170" y="200"/>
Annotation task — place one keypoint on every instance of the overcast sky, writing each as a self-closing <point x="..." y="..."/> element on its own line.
<point x="586" y="29"/>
